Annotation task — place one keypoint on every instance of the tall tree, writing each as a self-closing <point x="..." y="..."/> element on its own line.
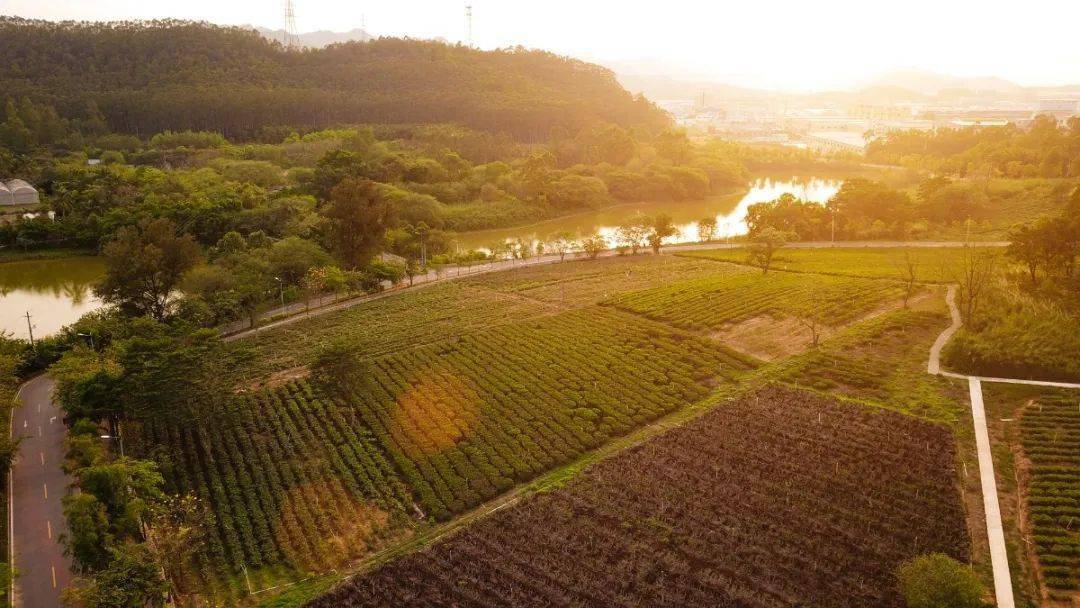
<point x="143" y="265"/>
<point x="359" y="217"/>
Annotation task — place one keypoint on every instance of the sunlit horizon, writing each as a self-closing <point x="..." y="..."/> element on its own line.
<point x="781" y="45"/>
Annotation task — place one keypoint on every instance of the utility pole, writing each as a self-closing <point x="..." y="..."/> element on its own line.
<point x="468" y="24"/>
<point x="30" y="330"/>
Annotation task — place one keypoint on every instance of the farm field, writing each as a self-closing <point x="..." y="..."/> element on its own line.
<point x="882" y="361"/>
<point x="593" y="281"/>
<point x="873" y="262"/>
<point x="457" y="393"/>
<point x="1050" y="439"/>
<point x="423" y="434"/>
<point x="708" y="304"/>
<point x="778" y="498"/>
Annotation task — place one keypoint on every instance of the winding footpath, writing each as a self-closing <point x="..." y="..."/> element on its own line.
<point x="999" y="560"/>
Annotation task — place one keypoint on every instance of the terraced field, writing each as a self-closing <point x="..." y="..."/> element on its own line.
<point x="710" y="303"/>
<point x="1050" y="436"/>
<point x="781" y="498"/>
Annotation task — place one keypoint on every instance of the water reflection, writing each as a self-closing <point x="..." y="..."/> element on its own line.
<point x="729" y="211"/>
<point x="55" y="292"/>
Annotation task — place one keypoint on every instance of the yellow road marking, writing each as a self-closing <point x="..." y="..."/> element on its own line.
<point x="53" y="568"/>
<point x="46" y="486"/>
<point x="48" y="528"/>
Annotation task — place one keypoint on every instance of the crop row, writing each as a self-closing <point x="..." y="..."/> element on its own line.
<point x="390" y="324"/>
<point x="291" y="480"/>
<point x="711" y="302"/>
<point x="468" y="418"/>
<point x="780" y="498"/>
<point x="1050" y="435"/>
<point x="305" y="475"/>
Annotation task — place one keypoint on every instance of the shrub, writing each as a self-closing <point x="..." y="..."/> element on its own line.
<point x="938" y="581"/>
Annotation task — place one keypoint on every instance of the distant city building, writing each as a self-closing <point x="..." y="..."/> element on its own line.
<point x="17" y="192"/>
<point x="836" y="141"/>
<point x="1062" y="109"/>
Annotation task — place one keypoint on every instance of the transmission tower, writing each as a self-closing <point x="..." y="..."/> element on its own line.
<point x="291" y="37"/>
<point x="468" y="23"/>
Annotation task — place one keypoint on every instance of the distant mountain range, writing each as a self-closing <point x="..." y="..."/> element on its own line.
<point x="319" y="39"/>
<point x="932" y="84"/>
<point x="897" y="86"/>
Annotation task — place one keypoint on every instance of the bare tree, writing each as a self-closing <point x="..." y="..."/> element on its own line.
<point x="973" y="273"/>
<point x="908" y="265"/>
<point x="813" y="314"/>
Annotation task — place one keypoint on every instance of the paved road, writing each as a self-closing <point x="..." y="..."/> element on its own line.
<point x="299" y="310"/>
<point x="37" y="485"/>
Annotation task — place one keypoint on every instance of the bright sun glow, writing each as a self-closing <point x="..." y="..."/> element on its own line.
<point x="782" y="44"/>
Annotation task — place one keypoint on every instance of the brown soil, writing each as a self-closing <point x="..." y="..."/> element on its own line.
<point x="277" y="379"/>
<point x="770" y="338"/>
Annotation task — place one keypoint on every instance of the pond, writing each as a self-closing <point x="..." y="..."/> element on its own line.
<point x="55" y="293"/>
<point x="729" y="211"/>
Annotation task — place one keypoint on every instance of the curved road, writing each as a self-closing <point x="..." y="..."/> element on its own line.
<point x="38" y="483"/>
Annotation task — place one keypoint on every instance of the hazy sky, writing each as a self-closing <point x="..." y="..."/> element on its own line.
<point x="773" y="43"/>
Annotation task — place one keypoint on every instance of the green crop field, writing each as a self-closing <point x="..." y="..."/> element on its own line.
<point x="464" y="390"/>
<point x="592" y="281"/>
<point x="427" y="432"/>
<point x="933" y="264"/>
<point x="1050" y="435"/>
<point x="709" y="303"/>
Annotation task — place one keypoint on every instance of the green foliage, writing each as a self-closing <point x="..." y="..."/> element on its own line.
<point x="259" y="83"/>
<point x="187" y="139"/>
<point x="707" y="304"/>
<point x="132" y="579"/>
<point x="938" y="581"/>
<point x="1048" y="434"/>
<point x="1044" y="150"/>
<point x="88" y="536"/>
<point x="143" y="266"/>
<point x="359" y="218"/>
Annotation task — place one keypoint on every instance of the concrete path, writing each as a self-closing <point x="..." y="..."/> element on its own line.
<point x="38" y="483"/>
<point x="999" y="559"/>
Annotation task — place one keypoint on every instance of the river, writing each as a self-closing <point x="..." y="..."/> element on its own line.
<point x="55" y="293"/>
<point x="729" y="211"/>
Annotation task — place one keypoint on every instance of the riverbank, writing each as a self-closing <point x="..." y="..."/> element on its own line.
<point x="19" y="255"/>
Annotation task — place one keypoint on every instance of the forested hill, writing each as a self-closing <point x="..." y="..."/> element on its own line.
<point x="146" y="77"/>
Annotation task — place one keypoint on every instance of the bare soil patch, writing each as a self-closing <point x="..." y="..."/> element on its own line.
<point x="770" y="338"/>
<point x="277" y="379"/>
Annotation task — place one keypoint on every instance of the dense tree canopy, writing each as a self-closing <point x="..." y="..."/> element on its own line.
<point x="147" y="77"/>
<point x="1043" y="150"/>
